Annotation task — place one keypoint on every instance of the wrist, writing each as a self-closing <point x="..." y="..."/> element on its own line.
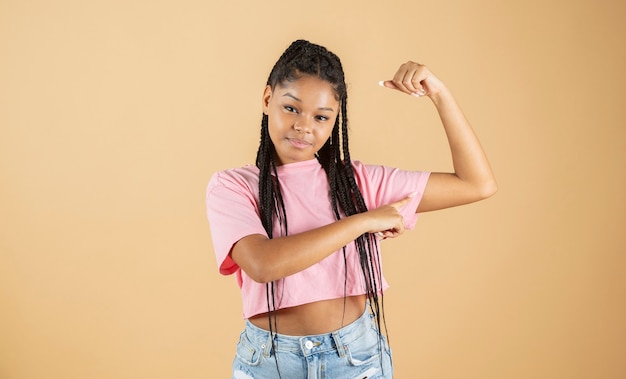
<point x="361" y="223"/>
<point x="441" y="97"/>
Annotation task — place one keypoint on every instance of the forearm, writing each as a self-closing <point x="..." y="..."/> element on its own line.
<point x="470" y="163"/>
<point x="265" y="260"/>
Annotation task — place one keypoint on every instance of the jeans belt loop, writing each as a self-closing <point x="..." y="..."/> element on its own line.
<point x="268" y="346"/>
<point x="341" y="349"/>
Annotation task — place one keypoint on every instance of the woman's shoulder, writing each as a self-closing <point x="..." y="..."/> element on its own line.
<point x="359" y="164"/>
<point x="361" y="168"/>
<point x="248" y="169"/>
<point x="385" y="173"/>
<point x="247" y="176"/>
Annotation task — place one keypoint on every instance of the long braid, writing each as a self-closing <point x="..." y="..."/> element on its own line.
<point x="270" y="205"/>
<point x="369" y="256"/>
<point x="367" y="247"/>
<point x="303" y="58"/>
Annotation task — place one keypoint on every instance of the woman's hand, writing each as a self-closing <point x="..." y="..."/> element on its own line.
<point x="414" y="79"/>
<point x="387" y="221"/>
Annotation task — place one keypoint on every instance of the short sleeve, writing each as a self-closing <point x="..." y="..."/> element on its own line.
<point x="233" y="214"/>
<point x="382" y="185"/>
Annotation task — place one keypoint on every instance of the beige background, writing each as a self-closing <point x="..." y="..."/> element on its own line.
<point x="114" y="114"/>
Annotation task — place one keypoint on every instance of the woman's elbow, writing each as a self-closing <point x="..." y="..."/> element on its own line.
<point x="261" y="276"/>
<point x="247" y="254"/>
<point x="261" y="271"/>
<point x="487" y="189"/>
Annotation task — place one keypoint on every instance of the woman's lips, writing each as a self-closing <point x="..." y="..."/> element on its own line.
<point x="298" y="143"/>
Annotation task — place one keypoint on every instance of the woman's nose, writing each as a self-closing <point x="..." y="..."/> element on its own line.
<point x="302" y="125"/>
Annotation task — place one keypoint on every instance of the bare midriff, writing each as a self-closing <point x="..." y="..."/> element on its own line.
<point x="314" y="318"/>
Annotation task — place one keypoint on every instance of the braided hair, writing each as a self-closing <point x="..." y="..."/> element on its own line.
<point x="303" y="58"/>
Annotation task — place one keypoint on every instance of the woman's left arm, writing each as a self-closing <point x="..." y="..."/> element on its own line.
<point x="472" y="179"/>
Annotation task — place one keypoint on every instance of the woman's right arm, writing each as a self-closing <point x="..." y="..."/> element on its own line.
<point x="266" y="260"/>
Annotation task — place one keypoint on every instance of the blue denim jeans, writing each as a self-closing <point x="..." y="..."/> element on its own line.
<point x="352" y="352"/>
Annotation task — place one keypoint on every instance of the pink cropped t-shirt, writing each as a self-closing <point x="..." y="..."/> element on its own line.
<point x="233" y="212"/>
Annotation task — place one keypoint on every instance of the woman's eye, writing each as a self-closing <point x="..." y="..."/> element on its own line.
<point x="322" y="118"/>
<point x="290" y="109"/>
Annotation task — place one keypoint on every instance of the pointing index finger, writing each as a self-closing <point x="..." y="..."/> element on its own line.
<point x="402" y="202"/>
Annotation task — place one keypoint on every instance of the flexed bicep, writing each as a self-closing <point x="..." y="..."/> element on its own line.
<point x="446" y="190"/>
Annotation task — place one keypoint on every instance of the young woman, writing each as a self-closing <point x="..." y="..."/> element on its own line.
<point x="301" y="229"/>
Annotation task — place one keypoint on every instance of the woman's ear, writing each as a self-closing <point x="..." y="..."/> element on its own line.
<point x="267" y="96"/>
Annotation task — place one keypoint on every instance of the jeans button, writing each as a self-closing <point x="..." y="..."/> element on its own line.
<point x="308" y="345"/>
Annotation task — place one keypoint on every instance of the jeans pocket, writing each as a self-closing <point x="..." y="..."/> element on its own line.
<point x="367" y="348"/>
<point x="247" y="352"/>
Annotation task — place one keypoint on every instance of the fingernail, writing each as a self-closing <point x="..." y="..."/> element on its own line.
<point x="412" y="194"/>
<point x="381" y="83"/>
<point x="416" y="94"/>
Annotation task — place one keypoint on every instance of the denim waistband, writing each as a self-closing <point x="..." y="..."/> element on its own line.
<point x="313" y="344"/>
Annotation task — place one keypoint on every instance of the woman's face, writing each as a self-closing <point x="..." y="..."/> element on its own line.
<point x="301" y="115"/>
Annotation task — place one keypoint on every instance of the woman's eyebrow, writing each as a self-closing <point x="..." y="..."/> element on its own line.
<point x="298" y="100"/>
<point x="292" y="96"/>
